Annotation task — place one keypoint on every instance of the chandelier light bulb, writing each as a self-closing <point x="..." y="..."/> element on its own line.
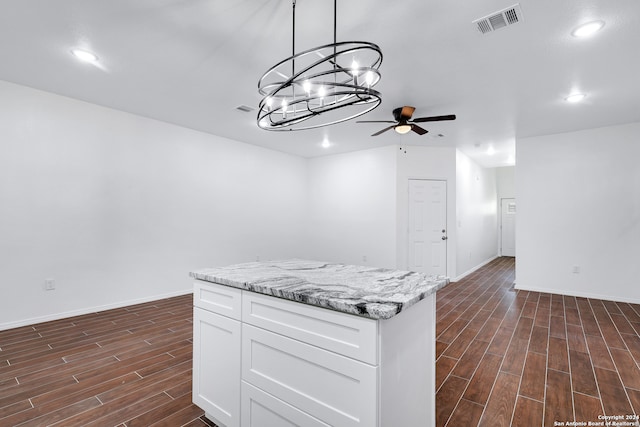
<point x="368" y="78"/>
<point x="354" y="72"/>
<point x="307" y="86"/>
<point x="354" y="67"/>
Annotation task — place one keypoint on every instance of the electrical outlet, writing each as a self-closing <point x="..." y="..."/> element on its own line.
<point x="49" y="284"/>
<point x="576" y="269"/>
<point x="364" y="258"/>
<point x="257" y="258"/>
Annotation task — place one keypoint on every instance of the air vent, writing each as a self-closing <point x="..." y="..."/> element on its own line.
<point x="501" y="19"/>
<point x="244" y="108"/>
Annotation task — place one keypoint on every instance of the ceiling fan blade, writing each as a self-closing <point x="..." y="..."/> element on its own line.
<point x="407" y="111"/>
<point x="417" y="129"/>
<point x="375" y="121"/>
<point x="434" y="118"/>
<point x="383" y="130"/>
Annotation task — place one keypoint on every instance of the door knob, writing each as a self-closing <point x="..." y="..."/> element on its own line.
<point x="444" y="237"/>
<point x="443" y="230"/>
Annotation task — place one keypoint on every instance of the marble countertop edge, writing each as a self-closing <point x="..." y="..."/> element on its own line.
<point x="376" y="293"/>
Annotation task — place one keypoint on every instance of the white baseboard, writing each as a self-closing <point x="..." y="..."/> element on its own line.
<point x="468" y="272"/>
<point x="579" y="294"/>
<point x="80" y="312"/>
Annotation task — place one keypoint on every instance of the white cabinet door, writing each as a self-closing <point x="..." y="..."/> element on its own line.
<point x="351" y="336"/>
<point x="332" y="388"/>
<point x="216" y="366"/>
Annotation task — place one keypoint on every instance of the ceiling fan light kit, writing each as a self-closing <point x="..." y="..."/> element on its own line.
<point x="322" y="86"/>
<point x="402" y="129"/>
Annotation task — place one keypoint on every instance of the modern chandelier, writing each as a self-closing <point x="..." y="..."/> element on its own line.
<point x="320" y="86"/>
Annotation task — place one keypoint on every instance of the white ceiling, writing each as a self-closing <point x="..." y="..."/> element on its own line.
<point x="191" y="62"/>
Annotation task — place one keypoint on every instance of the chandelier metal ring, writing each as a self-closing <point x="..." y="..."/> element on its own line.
<point x="306" y="90"/>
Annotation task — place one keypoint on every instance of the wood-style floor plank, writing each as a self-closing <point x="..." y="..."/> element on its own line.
<point x="558" y="400"/>
<point x="482" y="381"/>
<point x="587" y="408"/>
<point x="499" y="408"/>
<point x="467" y="414"/>
<point x="447" y="398"/>
<point x="533" y="384"/>
<point x="528" y="413"/>
<point x="582" y="377"/>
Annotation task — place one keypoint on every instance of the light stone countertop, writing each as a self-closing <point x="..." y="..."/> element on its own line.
<point x="371" y="292"/>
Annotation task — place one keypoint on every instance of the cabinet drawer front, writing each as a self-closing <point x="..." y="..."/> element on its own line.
<point x="260" y="409"/>
<point x="216" y="366"/>
<point x="218" y="299"/>
<point x="335" y="389"/>
<point x="342" y="333"/>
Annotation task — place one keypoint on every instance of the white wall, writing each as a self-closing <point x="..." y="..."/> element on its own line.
<point x="437" y="163"/>
<point x="506" y="182"/>
<point x="579" y="205"/>
<point x="476" y="215"/>
<point x="118" y="208"/>
<point x="351" y="208"/>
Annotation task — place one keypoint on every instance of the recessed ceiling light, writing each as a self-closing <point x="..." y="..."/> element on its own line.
<point x="326" y="143"/>
<point x="585" y="30"/>
<point x="84" y="55"/>
<point x="576" y="97"/>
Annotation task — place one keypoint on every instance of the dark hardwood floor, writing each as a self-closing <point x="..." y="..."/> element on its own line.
<point x="514" y="358"/>
<point x="505" y="358"/>
<point x="123" y="367"/>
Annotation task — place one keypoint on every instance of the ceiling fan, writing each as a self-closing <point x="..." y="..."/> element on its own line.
<point x="403" y="122"/>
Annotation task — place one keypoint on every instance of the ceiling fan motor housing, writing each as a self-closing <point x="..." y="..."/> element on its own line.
<point x="399" y="117"/>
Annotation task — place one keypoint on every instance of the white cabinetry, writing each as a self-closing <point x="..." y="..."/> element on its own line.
<point x="216" y="353"/>
<point x="262" y="361"/>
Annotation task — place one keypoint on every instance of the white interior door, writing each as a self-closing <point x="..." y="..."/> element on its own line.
<point x="427" y="226"/>
<point x="508" y="227"/>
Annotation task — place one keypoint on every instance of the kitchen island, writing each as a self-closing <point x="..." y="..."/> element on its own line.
<point x="308" y="343"/>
